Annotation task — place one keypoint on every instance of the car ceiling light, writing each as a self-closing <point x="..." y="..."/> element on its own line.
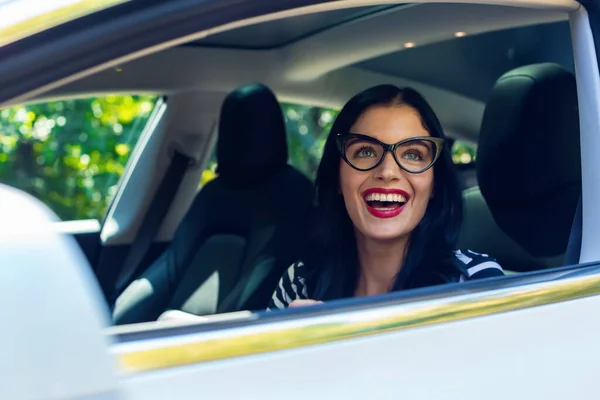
<point x="409" y="45"/>
<point x="460" y="34"/>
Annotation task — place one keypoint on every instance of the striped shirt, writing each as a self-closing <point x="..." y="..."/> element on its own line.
<point x="292" y="285"/>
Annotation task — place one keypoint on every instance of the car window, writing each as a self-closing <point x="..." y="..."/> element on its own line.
<point x="71" y="153"/>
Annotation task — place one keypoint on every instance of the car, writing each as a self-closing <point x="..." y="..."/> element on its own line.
<point x="142" y="238"/>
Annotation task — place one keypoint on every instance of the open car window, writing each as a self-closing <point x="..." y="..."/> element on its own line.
<point x="459" y="90"/>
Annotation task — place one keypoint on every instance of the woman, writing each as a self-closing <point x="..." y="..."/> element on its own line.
<point x="390" y="206"/>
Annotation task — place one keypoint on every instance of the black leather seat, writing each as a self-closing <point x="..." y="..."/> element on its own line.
<point x="243" y="228"/>
<point x="528" y="168"/>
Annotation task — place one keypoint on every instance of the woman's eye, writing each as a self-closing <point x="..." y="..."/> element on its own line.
<point x="365" y="152"/>
<point x="412" y="156"/>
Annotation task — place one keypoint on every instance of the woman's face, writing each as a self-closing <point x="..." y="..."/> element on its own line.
<point x="374" y="219"/>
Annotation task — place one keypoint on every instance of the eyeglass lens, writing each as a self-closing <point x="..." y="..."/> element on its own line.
<point x="413" y="155"/>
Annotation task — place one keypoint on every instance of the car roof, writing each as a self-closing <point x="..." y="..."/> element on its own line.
<point x="356" y="47"/>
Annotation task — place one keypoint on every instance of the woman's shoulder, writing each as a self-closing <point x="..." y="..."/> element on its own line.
<point x="297" y="266"/>
<point x="295" y="272"/>
<point x="478" y="265"/>
<point x="292" y="286"/>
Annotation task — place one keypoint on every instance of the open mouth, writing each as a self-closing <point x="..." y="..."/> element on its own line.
<point x="382" y="201"/>
<point x="385" y="203"/>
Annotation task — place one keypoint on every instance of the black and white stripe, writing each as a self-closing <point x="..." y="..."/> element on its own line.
<point x="292" y="285"/>
<point x="478" y="266"/>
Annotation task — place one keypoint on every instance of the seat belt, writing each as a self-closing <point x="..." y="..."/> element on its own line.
<point x="573" y="251"/>
<point x="153" y="218"/>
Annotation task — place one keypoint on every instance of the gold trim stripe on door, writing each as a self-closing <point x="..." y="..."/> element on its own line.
<point x="153" y="354"/>
<point x="53" y="18"/>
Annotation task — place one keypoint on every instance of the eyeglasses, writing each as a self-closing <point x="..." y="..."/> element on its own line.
<point x="364" y="153"/>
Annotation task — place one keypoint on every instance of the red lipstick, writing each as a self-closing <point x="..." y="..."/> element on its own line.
<point x="387" y="212"/>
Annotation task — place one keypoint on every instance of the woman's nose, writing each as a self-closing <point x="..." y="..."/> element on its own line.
<point x="388" y="170"/>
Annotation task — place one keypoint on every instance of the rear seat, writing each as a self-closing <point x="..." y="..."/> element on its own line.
<point x="528" y="169"/>
<point x="243" y="228"/>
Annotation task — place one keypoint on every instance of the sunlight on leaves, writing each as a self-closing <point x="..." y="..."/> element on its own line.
<point x="71" y="153"/>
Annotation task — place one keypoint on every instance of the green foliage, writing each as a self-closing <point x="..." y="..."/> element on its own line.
<point x="307" y="129"/>
<point x="70" y="154"/>
<point x="463" y="153"/>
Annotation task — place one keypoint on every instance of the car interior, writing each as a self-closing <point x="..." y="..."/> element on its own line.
<point x="501" y="80"/>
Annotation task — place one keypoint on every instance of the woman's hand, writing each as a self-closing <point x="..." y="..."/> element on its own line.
<point x="304" y="302"/>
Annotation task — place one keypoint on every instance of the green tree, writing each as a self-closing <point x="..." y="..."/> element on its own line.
<point x="463" y="153"/>
<point x="71" y="153"/>
<point x="307" y="129"/>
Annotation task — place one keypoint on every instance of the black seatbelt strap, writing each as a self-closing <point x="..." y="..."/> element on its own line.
<point x="574" y="245"/>
<point x="153" y="218"/>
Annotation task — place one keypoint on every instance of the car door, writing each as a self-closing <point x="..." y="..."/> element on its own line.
<point x="526" y="336"/>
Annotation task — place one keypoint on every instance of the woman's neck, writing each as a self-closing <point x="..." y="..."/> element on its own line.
<point x="380" y="262"/>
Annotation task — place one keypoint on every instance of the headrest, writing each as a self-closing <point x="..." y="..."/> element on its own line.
<point x="528" y="159"/>
<point x="251" y="145"/>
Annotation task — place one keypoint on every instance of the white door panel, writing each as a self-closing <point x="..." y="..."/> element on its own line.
<point x="548" y="352"/>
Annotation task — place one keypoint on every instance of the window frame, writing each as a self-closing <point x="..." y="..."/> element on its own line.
<point x="136" y="154"/>
<point x="585" y="47"/>
<point x="119" y="216"/>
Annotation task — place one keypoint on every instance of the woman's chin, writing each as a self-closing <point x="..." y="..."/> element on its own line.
<point x="389" y="237"/>
<point x="383" y="234"/>
<point x="383" y="229"/>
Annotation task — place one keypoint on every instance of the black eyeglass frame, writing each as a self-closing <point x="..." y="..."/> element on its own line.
<point x="342" y="138"/>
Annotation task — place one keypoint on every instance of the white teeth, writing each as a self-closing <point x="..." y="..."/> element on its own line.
<point x="398" y="198"/>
